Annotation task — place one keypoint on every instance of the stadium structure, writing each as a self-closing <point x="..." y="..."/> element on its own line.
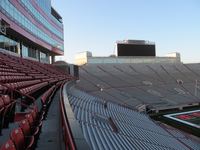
<point x="127" y="101"/>
<point x="129" y="51"/>
<point x="31" y="29"/>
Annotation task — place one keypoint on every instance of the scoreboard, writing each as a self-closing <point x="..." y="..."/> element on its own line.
<point x="135" y="49"/>
<point x="191" y="118"/>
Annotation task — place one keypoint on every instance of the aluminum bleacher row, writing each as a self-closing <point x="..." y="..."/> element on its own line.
<point x="106" y="125"/>
<point x="26" y="91"/>
<point x="160" y="86"/>
<point x="183" y="138"/>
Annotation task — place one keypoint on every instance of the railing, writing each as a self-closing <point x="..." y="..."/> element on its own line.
<point x="72" y="133"/>
<point x="68" y="139"/>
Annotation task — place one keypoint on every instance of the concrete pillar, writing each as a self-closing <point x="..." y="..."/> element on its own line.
<point x="52" y="59"/>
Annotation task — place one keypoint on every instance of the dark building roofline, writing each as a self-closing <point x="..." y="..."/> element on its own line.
<point x="56" y="14"/>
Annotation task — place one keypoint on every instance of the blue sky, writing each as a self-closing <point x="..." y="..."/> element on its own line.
<point x="95" y="25"/>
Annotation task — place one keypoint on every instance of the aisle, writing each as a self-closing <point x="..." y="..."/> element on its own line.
<point x="50" y="137"/>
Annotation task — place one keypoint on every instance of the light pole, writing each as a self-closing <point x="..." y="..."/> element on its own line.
<point x="196" y="87"/>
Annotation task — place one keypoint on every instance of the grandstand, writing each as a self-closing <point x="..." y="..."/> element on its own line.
<point x="137" y="103"/>
<point x="35" y="95"/>
<point x="157" y="86"/>
<point x="27" y="90"/>
<point x="106" y="125"/>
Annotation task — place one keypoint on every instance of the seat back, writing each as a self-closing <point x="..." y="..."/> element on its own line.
<point x="1" y="103"/>
<point x="1" y="113"/>
<point x="1" y="107"/>
<point x="9" y="109"/>
<point x="9" y="145"/>
<point x="34" y="114"/>
<point x="30" y="119"/>
<point x="35" y="108"/>
<point x="18" y="138"/>
<point x="6" y="99"/>
<point x="25" y="126"/>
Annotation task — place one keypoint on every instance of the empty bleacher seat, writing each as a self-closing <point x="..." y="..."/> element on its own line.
<point x="8" y="113"/>
<point x="129" y="129"/>
<point x="9" y="145"/>
<point x="20" y="140"/>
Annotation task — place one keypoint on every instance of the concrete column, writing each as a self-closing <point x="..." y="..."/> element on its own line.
<point x="52" y="59"/>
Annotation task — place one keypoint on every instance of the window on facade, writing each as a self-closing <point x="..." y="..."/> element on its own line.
<point x="8" y="44"/>
<point x="44" y="57"/>
<point x="32" y="53"/>
<point x="24" y="51"/>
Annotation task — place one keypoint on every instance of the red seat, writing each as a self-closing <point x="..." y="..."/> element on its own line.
<point x="3" y="89"/>
<point x="29" y="130"/>
<point x="38" y="115"/>
<point x="30" y="119"/>
<point x="18" y="138"/>
<point x="1" y="114"/>
<point x="1" y="104"/>
<point x="9" y="107"/>
<point x="6" y="99"/>
<point x="25" y="126"/>
<point x="46" y="97"/>
<point x="21" y="142"/>
<point x="9" y="145"/>
<point x="6" y="112"/>
<point x="34" y="119"/>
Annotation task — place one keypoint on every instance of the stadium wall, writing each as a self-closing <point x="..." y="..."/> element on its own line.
<point x="133" y="60"/>
<point x="86" y="57"/>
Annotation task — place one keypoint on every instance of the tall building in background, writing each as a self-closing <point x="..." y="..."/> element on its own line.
<point x="31" y="28"/>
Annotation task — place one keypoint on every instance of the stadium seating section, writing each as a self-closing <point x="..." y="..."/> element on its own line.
<point x="134" y="130"/>
<point x="26" y="91"/>
<point x="105" y="115"/>
<point x="157" y="85"/>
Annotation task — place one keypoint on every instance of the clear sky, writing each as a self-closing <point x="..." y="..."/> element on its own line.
<point x="95" y="25"/>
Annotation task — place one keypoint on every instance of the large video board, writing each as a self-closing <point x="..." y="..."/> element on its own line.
<point x="135" y="50"/>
